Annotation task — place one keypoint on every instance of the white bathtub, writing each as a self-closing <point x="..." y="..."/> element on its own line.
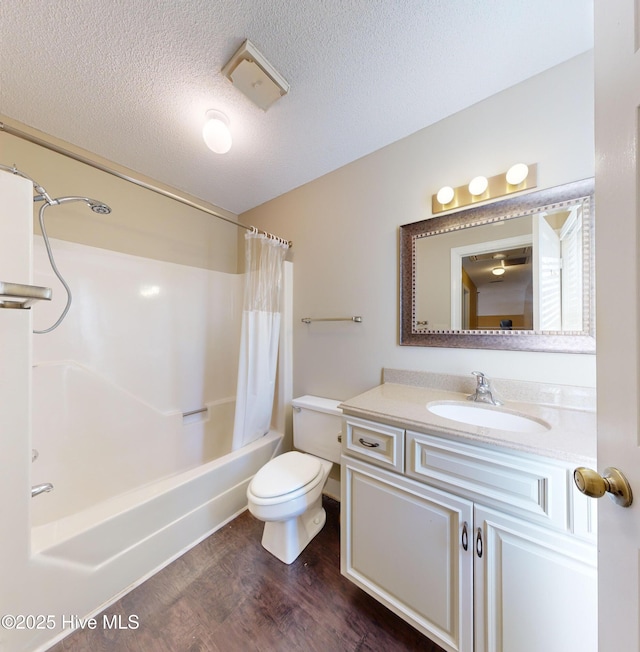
<point x="122" y="470"/>
<point x="199" y="500"/>
<point x="96" y="536"/>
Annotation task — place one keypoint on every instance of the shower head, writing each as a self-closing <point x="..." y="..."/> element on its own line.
<point x="99" y="207"/>
<point x="95" y="205"/>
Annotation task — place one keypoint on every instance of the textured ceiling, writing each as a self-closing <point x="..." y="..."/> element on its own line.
<point x="131" y="80"/>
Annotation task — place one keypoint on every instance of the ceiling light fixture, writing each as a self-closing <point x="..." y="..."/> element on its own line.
<point x="216" y="132"/>
<point x="499" y="271"/>
<point x="519" y="177"/>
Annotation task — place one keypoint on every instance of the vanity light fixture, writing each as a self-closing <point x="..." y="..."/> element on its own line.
<point x="445" y="195"/>
<point x="478" y="186"/>
<point x="517" y="173"/>
<point x="216" y="132"/>
<point x="519" y="177"/>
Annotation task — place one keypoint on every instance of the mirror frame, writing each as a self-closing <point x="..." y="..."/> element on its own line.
<point x="506" y="209"/>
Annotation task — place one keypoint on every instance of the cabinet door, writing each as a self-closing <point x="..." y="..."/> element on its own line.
<point x="535" y="589"/>
<point x="404" y="543"/>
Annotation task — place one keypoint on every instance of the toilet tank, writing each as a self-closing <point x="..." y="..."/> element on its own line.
<point x="317" y="426"/>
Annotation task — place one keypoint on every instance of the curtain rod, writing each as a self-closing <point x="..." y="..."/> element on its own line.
<point x="138" y="182"/>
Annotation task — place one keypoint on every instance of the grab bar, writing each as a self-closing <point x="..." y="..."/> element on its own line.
<point x="192" y="412"/>
<point x="41" y="488"/>
<point x="308" y="320"/>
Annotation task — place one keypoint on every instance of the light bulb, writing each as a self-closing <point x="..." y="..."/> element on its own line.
<point x="445" y="195"/>
<point x="216" y="132"/>
<point x="517" y="173"/>
<point x="478" y="185"/>
<point x="498" y="271"/>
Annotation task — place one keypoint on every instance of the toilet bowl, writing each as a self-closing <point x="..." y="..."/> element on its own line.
<point x="286" y="493"/>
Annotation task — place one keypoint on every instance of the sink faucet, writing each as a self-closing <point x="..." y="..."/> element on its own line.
<point x="483" y="393"/>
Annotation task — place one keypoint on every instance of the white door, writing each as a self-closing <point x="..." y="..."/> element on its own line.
<point x="617" y="95"/>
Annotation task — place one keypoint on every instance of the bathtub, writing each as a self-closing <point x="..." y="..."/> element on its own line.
<point x="120" y="468"/>
<point x="133" y="488"/>
<point x="199" y="501"/>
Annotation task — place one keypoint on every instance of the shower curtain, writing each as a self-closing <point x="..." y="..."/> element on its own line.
<point x="264" y="258"/>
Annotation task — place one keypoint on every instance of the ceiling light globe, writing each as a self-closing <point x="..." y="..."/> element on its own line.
<point x="478" y="185"/>
<point x="216" y="133"/>
<point x="497" y="271"/>
<point x="445" y="195"/>
<point x="517" y="173"/>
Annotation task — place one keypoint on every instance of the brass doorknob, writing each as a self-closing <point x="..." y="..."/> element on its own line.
<point x="613" y="482"/>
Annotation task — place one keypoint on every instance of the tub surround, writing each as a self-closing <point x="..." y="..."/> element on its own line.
<point x="136" y="482"/>
<point x="570" y="411"/>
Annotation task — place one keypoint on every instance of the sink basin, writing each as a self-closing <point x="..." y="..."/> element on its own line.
<point x="487" y="416"/>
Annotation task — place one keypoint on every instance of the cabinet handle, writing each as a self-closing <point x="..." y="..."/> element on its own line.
<point x="465" y="537"/>
<point x="369" y="444"/>
<point x="479" y="543"/>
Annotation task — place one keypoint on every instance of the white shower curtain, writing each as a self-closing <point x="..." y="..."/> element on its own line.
<point x="264" y="258"/>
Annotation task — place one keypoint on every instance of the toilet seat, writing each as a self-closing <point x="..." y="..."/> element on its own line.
<point x="286" y="477"/>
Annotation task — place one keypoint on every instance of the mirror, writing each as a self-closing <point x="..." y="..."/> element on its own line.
<point x="515" y="274"/>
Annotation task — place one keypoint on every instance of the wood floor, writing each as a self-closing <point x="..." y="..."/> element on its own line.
<point x="229" y="595"/>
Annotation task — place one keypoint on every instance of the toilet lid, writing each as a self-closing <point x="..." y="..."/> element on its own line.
<point x="285" y="474"/>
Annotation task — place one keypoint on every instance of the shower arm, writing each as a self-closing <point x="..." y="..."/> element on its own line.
<point x="42" y="193"/>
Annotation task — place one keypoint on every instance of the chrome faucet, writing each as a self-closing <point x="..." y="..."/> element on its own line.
<point x="484" y="393"/>
<point x="41" y="488"/>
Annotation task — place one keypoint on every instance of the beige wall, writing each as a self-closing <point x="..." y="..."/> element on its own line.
<point x="142" y="222"/>
<point x="344" y="228"/>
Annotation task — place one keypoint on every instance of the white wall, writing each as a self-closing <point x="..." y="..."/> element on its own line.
<point x="344" y="228"/>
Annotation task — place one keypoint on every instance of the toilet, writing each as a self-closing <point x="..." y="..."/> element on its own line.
<point x="286" y="493"/>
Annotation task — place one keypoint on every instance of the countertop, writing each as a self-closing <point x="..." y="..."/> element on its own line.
<point x="571" y="436"/>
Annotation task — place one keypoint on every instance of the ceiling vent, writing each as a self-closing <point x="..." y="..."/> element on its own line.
<point x="252" y="74"/>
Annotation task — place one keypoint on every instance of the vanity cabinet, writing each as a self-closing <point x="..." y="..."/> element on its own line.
<point x="477" y="547"/>
<point x="410" y="546"/>
<point x="534" y="588"/>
